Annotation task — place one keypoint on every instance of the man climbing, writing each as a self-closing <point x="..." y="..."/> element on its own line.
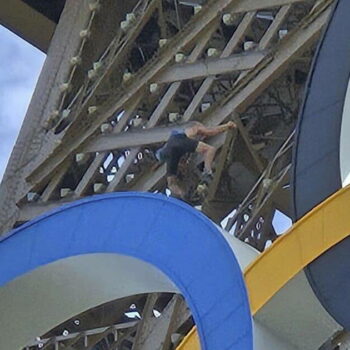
<point x="182" y="141"/>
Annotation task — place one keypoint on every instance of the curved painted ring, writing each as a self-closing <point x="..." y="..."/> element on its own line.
<point x="164" y="232"/>
<point x="320" y="165"/>
<point x="321" y="159"/>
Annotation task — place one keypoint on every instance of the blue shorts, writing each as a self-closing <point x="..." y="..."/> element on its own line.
<point x="177" y="146"/>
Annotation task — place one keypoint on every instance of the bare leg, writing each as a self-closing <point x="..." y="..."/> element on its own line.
<point x="208" y="154"/>
<point x="174" y="187"/>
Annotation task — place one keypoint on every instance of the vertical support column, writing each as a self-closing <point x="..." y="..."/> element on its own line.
<point x="64" y="45"/>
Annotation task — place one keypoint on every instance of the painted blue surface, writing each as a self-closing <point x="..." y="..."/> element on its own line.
<point x="328" y="276"/>
<point x="317" y="159"/>
<point x="167" y="233"/>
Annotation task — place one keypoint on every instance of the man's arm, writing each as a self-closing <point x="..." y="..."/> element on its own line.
<point x="201" y="130"/>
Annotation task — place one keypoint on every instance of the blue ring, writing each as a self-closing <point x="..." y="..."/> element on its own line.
<point x="162" y="231"/>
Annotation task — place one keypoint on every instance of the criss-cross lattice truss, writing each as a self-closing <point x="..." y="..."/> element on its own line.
<point x="146" y="321"/>
<point x="118" y="77"/>
<point x="127" y="76"/>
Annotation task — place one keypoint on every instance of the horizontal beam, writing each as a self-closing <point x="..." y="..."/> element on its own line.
<point x="62" y="338"/>
<point x="232" y="44"/>
<point x="289" y="50"/>
<point x="78" y="135"/>
<point x="31" y="210"/>
<point x="253" y="5"/>
<point x="130" y="139"/>
<point x="159" y="111"/>
<point x="210" y="67"/>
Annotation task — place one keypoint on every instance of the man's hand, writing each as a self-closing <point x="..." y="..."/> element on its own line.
<point x="231" y="125"/>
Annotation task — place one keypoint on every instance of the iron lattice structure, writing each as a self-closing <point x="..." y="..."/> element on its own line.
<point x="118" y="78"/>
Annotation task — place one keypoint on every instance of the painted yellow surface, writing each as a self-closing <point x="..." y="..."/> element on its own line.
<point x="316" y="232"/>
<point x="191" y="341"/>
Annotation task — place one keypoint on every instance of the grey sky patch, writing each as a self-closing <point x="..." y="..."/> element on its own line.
<point x="20" y="65"/>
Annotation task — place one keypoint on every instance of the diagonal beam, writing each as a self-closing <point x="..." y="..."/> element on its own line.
<point x="211" y="67"/>
<point x="81" y="132"/>
<point x="160" y="110"/>
<point x="54" y="182"/>
<point x="108" y="142"/>
<point x="230" y="47"/>
<point x="248" y="143"/>
<point x="281" y="16"/>
<point x="101" y="157"/>
<point x="64" y="43"/>
<point x="227" y="146"/>
<point x="122" y="171"/>
<point x="291" y="48"/>
<point x="268" y="199"/>
<point x="180" y="315"/>
<point x="158" y="334"/>
<point x="263" y="44"/>
<point x="144" y="323"/>
<point x="271" y="32"/>
<point x="87" y="178"/>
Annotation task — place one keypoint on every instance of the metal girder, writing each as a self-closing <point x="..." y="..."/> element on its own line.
<point x="154" y="333"/>
<point x="289" y="50"/>
<point x="87" y="333"/>
<point x="30" y="24"/>
<point x="130" y="139"/>
<point x="270" y="71"/>
<point x="211" y="67"/>
<point x="55" y="69"/>
<point x="229" y="48"/>
<point x="158" y="335"/>
<point x="89" y="174"/>
<point x="208" y="205"/>
<point x="259" y="164"/>
<point x="251" y="85"/>
<point x="83" y="331"/>
<point x="253" y="217"/>
<point x="54" y="182"/>
<point x="271" y="32"/>
<point x="87" y="178"/>
<point x="101" y="157"/>
<point x="227" y="147"/>
<point x="253" y="5"/>
<point x="143" y="327"/>
<point x="274" y="27"/>
<point x="159" y="111"/>
<point x="54" y="141"/>
<point x="45" y="166"/>
<point x="119" y="100"/>
<point x="257" y="212"/>
<point x="123" y="170"/>
<point x="126" y="336"/>
<point x="282" y="201"/>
